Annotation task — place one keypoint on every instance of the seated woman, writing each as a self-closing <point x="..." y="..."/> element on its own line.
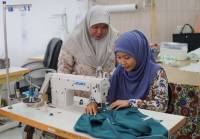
<point x="137" y="81"/>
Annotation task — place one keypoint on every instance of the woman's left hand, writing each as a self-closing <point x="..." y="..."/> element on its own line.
<point x="119" y="104"/>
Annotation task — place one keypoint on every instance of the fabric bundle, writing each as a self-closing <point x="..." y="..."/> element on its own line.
<point x="127" y="123"/>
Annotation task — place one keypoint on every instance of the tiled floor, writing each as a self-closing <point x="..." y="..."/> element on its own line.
<point x="14" y="133"/>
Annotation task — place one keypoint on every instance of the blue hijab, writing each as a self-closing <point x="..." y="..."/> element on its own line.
<point x="133" y="84"/>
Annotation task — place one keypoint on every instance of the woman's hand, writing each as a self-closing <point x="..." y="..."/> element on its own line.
<point x="91" y="108"/>
<point x="119" y="104"/>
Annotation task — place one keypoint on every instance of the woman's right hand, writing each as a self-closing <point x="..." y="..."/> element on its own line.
<point x="91" y="108"/>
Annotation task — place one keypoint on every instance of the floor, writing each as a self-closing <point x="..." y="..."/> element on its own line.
<point x="14" y="133"/>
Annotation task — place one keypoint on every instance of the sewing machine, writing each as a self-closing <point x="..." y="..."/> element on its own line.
<point x="64" y="85"/>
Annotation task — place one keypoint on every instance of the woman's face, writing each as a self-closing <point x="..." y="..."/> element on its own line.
<point x="98" y="31"/>
<point x="127" y="62"/>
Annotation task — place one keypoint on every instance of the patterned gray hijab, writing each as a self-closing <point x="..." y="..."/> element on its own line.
<point x="88" y="50"/>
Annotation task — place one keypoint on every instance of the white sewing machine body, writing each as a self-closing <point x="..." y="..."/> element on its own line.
<point x="64" y="85"/>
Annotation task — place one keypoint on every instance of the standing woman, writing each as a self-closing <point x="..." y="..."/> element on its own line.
<point x="90" y="45"/>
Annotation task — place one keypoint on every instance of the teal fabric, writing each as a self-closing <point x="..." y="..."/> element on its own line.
<point x="126" y="123"/>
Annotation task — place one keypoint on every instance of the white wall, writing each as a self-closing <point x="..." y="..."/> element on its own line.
<point x="168" y="15"/>
<point x="28" y="32"/>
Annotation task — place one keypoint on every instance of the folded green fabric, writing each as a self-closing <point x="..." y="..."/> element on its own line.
<point x="127" y="123"/>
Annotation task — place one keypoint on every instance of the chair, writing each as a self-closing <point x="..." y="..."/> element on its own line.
<point x="169" y="106"/>
<point x="52" y="53"/>
<point x="38" y="69"/>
